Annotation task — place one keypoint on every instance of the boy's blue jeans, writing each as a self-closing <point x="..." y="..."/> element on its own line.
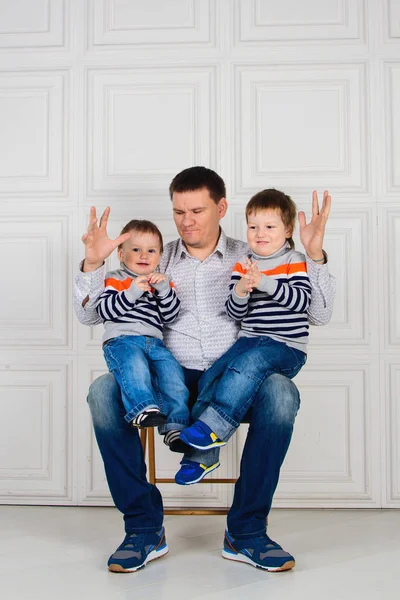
<point x="227" y="389"/>
<point x="148" y="376"/>
<point x="271" y="419"/>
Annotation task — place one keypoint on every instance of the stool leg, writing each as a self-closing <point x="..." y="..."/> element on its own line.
<point x="152" y="457"/>
<point x="143" y="439"/>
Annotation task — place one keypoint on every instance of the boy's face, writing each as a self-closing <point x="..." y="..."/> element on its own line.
<point x="266" y="232"/>
<point x="141" y="252"/>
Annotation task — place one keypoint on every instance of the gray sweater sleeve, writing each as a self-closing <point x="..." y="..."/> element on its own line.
<point x="88" y="287"/>
<point x="323" y="289"/>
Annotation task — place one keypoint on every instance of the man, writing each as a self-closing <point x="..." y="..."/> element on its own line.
<point x="200" y="264"/>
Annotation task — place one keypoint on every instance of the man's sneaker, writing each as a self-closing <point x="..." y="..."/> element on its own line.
<point x="193" y="472"/>
<point x="200" y="436"/>
<point x="151" y="417"/>
<point x="261" y="552"/>
<point x="137" y="550"/>
<point x="174" y="443"/>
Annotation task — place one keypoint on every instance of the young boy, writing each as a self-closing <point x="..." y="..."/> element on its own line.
<point x="269" y="295"/>
<point x="134" y="306"/>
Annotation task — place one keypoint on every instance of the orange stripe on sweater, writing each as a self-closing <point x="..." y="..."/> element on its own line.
<point x="286" y="269"/>
<point x="118" y="285"/>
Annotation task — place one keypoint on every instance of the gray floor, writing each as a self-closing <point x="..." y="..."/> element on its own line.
<point x="60" y="553"/>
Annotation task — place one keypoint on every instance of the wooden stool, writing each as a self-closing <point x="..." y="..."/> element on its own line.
<point x="147" y="439"/>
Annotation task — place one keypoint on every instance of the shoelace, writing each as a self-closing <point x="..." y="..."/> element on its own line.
<point x="134" y="541"/>
<point x="263" y="540"/>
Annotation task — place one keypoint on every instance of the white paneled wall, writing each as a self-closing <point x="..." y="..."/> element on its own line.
<point x="103" y="102"/>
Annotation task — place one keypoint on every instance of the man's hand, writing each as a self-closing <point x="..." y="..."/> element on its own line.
<point x="312" y="233"/>
<point x="98" y="245"/>
<point x="142" y="282"/>
<point x="155" y="278"/>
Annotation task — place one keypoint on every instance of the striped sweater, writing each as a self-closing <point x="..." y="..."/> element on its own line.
<point x="278" y="307"/>
<point x="126" y="310"/>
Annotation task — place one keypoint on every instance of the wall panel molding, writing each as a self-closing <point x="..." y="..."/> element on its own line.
<point x="34" y="145"/>
<point x="34" y="24"/>
<point x="35" y="447"/>
<point x="390" y="235"/>
<point x="392" y="20"/>
<point x="134" y="151"/>
<point x="392" y="129"/>
<point x="392" y="431"/>
<point x="259" y="22"/>
<point x="293" y="103"/>
<point x="35" y="309"/>
<point x="118" y="25"/>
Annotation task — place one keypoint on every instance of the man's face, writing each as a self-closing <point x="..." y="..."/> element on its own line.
<point x="197" y="217"/>
<point x="141" y="252"/>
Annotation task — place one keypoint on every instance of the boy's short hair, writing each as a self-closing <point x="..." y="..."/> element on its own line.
<point x="273" y="199"/>
<point x="197" y="178"/>
<point x="143" y="226"/>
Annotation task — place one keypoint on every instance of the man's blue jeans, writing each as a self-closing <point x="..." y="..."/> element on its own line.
<point x="227" y="389"/>
<point x="148" y="376"/>
<point x="271" y="419"/>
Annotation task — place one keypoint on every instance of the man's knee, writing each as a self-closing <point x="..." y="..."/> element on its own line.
<point x="103" y="399"/>
<point x="279" y="398"/>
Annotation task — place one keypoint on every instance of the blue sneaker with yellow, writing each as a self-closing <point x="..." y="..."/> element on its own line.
<point x="193" y="472"/>
<point x="200" y="436"/>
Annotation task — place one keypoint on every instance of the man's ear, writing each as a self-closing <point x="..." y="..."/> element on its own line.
<point x="222" y="207"/>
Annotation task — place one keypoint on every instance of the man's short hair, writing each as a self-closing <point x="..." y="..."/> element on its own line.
<point x="273" y="199"/>
<point x="197" y="178"/>
<point x="143" y="226"/>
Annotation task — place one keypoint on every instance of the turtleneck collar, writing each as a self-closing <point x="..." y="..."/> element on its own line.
<point x="285" y="248"/>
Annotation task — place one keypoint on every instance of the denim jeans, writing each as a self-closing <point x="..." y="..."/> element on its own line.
<point x="271" y="419"/>
<point x="227" y="389"/>
<point x="148" y="376"/>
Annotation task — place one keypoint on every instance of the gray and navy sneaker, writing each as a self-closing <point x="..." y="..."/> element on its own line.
<point x="260" y="552"/>
<point x="137" y="550"/>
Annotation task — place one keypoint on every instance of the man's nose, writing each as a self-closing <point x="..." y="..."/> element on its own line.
<point x="187" y="219"/>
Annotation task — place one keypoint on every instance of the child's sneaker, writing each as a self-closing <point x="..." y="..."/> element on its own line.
<point x="193" y="472"/>
<point x="151" y="417"/>
<point x="174" y="443"/>
<point x="136" y="550"/>
<point x="200" y="436"/>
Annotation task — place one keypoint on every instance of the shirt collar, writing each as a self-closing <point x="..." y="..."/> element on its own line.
<point x="220" y="247"/>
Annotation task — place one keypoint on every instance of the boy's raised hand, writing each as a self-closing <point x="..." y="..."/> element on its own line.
<point x="98" y="246"/>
